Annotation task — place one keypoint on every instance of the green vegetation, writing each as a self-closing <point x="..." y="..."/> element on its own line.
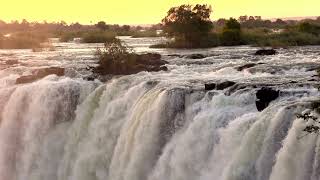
<point x="247" y="31"/>
<point x="189" y="26"/>
<point x="231" y="33"/>
<point x="186" y="26"/>
<point x="102" y="26"/>
<point x="98" y="37"/>
<point x="69" y="36"/>
<point x="115" y="55"/>
<point x="298" y="35"/>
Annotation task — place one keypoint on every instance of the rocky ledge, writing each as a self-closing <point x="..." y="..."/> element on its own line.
<point x="265" y="52"/>
<point x="40" y="73"/>
<point x="132" y="64"/>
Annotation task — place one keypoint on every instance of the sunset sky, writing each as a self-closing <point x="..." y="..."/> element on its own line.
<point x="146" y="11"/>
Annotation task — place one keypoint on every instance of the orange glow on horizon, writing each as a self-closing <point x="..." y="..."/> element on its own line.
<point x="146" y="11"/>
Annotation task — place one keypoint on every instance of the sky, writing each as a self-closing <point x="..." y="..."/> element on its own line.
<point x="146" y="11"/>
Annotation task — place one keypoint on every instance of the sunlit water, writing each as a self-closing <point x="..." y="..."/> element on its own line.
<point x="159" y="125"/>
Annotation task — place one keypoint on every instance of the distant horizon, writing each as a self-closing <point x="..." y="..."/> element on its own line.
<point x="69" y="23"/>
<point x="146" y="12"/>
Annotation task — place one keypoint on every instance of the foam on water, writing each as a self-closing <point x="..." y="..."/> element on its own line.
<point x="159" y="125"/>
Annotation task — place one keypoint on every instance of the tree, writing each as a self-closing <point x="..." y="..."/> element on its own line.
<point x="221" y="22"/>
<point x="188" y="23"/>
<point x="102" y="25"/>
<point x="231" y="33"/>
<point x="243" y="19"/>
<point x="280" y="23"/>
<point x="307" y="27"/>
<point x="126" y="27"/>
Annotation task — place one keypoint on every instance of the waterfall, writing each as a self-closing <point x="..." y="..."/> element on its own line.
<point x="133" y="129"/>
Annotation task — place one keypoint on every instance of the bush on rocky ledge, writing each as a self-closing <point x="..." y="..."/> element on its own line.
<point x="118" y="59"/>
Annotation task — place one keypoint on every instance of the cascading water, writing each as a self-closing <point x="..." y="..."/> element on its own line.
<point x="156" y="126"/>
<point x="132" y="129"/>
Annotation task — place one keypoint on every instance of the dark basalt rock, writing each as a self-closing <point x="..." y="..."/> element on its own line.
<point x="265" y="96"/>
<point x="40" y="73"/>
<point x="316" y="68"/>
<point x="210" y="86"/>
<point x="150" y="59"/>
<point x="196" y="56"/>
<point x="265" y="52"/>
<point x="140" y="62"/>
<point x="89" y="78"/>
<point x="218" y="86"/>
<point x="175" y="55"/>
<point x="246" y="66"/>
<point x="224" y="85"/>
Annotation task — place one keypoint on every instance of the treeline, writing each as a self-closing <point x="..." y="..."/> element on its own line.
<point x="187" y="26"/>
<point x="26" y="34"/>
<point x="190" y="26"/>
<point x="257" y="22"/>
<point x="54" y="28"/>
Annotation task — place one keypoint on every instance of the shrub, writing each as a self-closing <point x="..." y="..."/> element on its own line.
<point x="66" y="37"/>
<point x="290" y="38"/>
<point x="231" y="33"/>
<point x="98" y="37"/>
<point x="231" y="37"/>
<point x="114" y="57"/>
<point x="309" y="28"/>
<point x="118" y="59"/>
<point x="211" y="40"/>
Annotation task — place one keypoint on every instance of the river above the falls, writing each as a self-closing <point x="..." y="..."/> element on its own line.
<point x="159" y="125"/>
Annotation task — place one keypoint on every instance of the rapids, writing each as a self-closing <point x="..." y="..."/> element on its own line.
<point x="159" y="125"/>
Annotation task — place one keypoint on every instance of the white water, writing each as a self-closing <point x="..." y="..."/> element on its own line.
<point x="156" y="126"/>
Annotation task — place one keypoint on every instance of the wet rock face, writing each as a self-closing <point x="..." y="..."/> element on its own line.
<point x="210" y="86"/>
<point x="246" y="66"/>
<point x="40" y="73"/>
<point x="219" y="86"/>
<point x="265" y="52"/>
<point x="265" y="96"/>
<point x="140" y="62"/>
<point x="224" y="85"/>
<point x="196" y="56"/>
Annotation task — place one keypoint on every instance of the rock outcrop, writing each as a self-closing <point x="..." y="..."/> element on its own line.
<point x="265" y="52"/>
<point x="219" y="85"/>
<point x="132" y="64"/>
<point x="246" y="66"/>
<point x="196" y="56"/>
<point x="40" y="73"/>
<point x="265" y="96"/>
